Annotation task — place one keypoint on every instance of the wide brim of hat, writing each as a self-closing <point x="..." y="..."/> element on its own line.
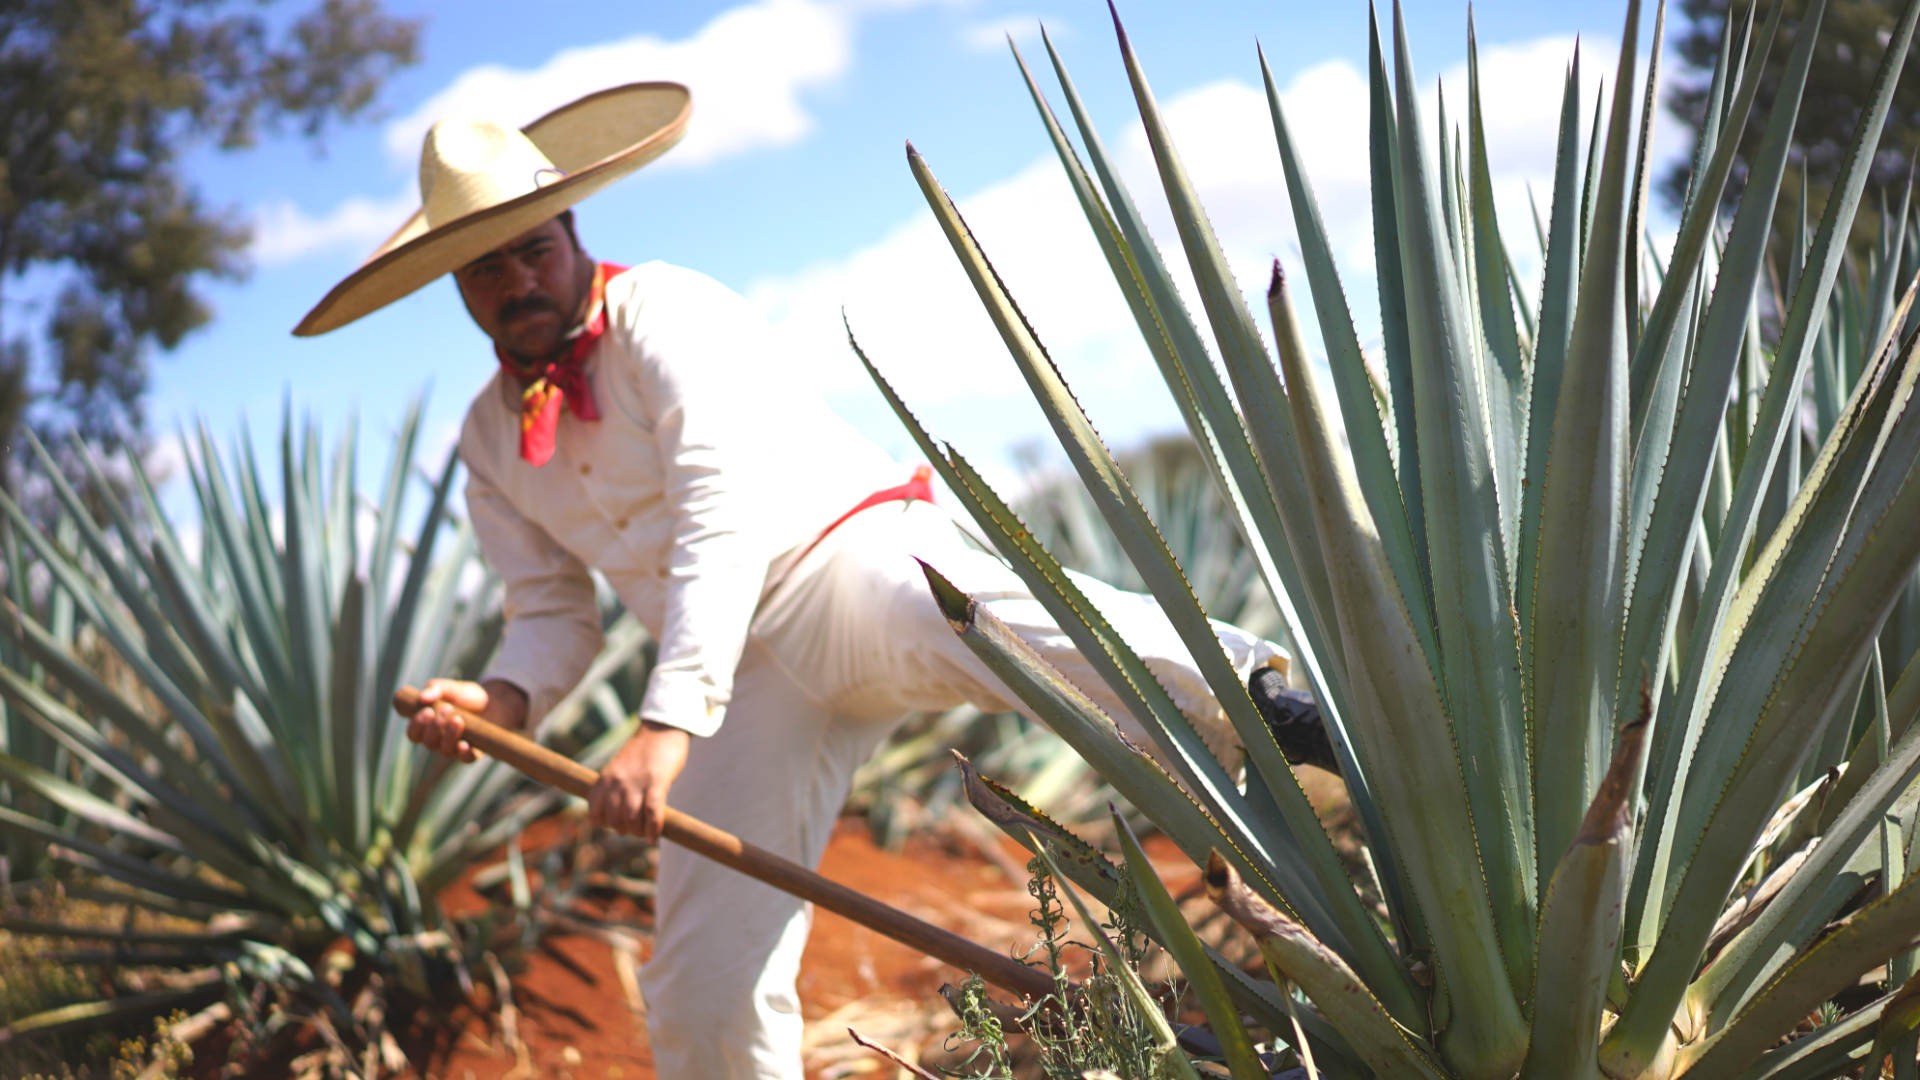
<point x="595" y="140"/>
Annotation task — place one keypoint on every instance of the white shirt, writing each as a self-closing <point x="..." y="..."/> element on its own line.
<point x="707" y="463"/>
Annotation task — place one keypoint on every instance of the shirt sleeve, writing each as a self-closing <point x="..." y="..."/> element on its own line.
<point x="712" y="442"/>
<point x="552" y="620"/>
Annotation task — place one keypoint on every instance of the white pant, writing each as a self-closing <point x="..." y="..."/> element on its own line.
<point x="849" y="643"/>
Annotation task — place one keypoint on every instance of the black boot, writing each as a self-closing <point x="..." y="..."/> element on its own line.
<point x="1294" y="718"/>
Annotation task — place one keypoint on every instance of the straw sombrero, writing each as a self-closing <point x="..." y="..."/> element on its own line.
<point x="483" y="183"/>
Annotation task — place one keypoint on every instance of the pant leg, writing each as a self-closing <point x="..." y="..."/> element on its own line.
<point x="720" y="985"/>
<point x="866" y="623"/>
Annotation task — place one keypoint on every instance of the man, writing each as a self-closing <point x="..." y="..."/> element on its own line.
<point x="641" y="424"/>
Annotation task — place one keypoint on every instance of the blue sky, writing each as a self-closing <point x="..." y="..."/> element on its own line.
<point x="792" y="187"/>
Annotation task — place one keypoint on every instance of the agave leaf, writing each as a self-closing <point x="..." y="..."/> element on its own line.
<point x="163" y="645"/>
<point x="1472" y="601"/>
<point x="1590" y="185"/>
<point x="1580" y="921"/>
<point x="1507" y="388"/>
<point x="186" y="604"/>
<point x="1187" y="951"/>
<point x="1372" y="457"/>
<point x="1313" y="859"/>
<point x="1688" y="456"/>
<point x="1573" y="623"/>
<point x="1728" y="102"/>
<point x="1829" y="1052"/>
<point x="341" y="555"/>
<point x="1791" y="568"/>
<point x="1329" y="983"/>
<point x="1828" y="646"/>
<point x="1420" y="777"/>
<point x="1558" y="294"/>
<point x="1189" y="373"/>
<point x="105" y="816"/>
<point x="1654" y="356"/>
<point x="56" y="662"/>
<point x="26" y="927"/>
<point x="393" y="493"/>
<point x="394" y="648"/>
<point x="1079" y="862"/>
<point x="1092" y="734"/>
<point x="1868" y="753"/>
<point x="210" y="744"/>
<point x="1899" y="1020"/>
<point x="1774" y="427"/>
<point x="139" y="872"/>
<point x="1859" y="944"/>
<point x="1111" y="491"/>
<point x="197" y="989"/>
<point x="350" y="721"/>
<point x="1764" y="946"/>
<point x="1383" y="137"/>
<point x="1075" y="859"/>
<point x="1637" y="199"/>
<point x="115" y="765"/>
<point x="224" y="532"/>
<point x="1245" y="359"/>
<point x="306" y="717"/>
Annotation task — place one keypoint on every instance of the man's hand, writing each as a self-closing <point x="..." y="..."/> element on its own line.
<point x="632" y="793"/>
<point x="439" y="728"/>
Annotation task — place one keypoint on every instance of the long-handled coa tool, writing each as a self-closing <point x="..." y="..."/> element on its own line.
<point x="723" y="847"/>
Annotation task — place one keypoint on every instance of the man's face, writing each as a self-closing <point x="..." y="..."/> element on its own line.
<point x="527" y="293"/>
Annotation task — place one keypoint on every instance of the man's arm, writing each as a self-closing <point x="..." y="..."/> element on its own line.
<point x="552" y="632"/>
<point x="552" y="628"/>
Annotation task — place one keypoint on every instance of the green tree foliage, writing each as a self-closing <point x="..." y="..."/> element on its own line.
<point x="1853" y="34"/>
<point x="104" y="238"/>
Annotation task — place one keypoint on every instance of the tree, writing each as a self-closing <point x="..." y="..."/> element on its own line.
<point x="1853" y="34"/>
<point x="104" y="239"/>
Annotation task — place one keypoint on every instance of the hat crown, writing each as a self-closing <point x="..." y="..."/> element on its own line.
<point x="468" y="165"/>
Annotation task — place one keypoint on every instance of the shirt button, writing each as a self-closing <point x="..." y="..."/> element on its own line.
<point x="585" y="468"/>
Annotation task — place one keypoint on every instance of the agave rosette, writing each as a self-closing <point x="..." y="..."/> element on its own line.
<point x="1612" y="638"/>
<point x="200" y="732"/>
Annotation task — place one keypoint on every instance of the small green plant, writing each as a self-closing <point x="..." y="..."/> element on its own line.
<point x="35" y="980"/>
<point x="1105" y="1021"/>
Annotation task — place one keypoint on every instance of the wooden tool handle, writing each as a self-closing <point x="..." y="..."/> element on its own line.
<point x="729" y="850"/>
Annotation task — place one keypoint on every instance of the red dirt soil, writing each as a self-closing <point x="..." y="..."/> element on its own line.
<point x="574" y="1020"/>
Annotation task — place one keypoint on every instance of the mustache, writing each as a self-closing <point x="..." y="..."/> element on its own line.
<point x="526" y="305"/>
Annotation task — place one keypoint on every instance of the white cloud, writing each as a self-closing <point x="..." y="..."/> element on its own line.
<point x="750" y="68"/>
<point x="1024" y="29"/>
<point x="283" y="232"/>
<point x="917" y="317"/>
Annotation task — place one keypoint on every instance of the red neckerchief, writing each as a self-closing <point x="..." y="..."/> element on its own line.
<point x="560" y="382"/>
